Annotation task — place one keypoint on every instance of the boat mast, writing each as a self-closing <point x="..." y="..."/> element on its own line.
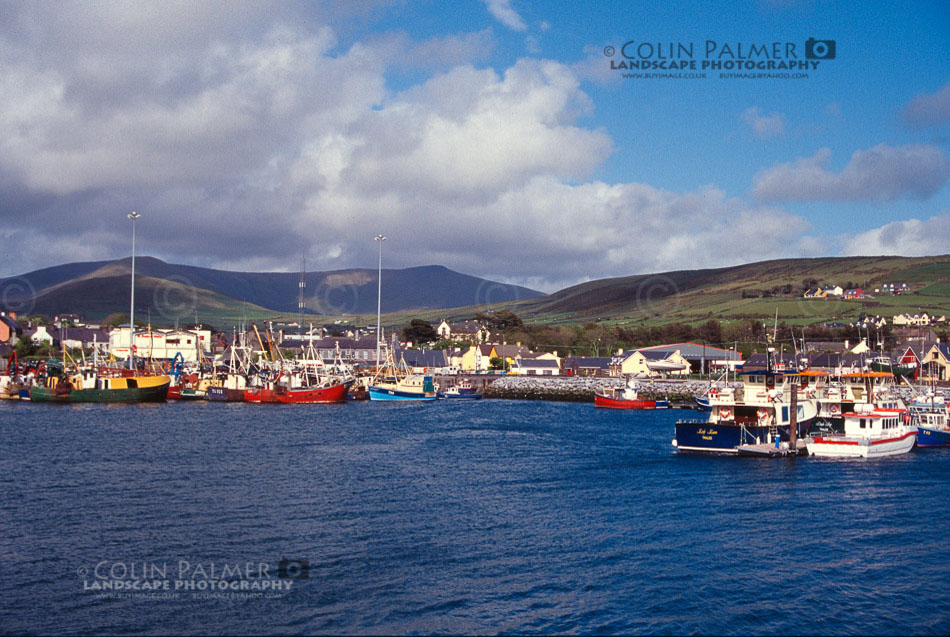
<point x="133" y="216"/>
<point x="379" y="292"/>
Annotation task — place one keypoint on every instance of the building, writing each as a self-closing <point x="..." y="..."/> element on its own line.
<point x="643" y="363"/>
<point x="701" y="357"/>
<point x="161" y="344"/>
<point x="469" y="331"/>
<point x="84" y="337"/>
<point x="587" y="365"/>
<point x="854" y="293"/>
<point x="918" y="320"/>
<point x="937" y="362"/>
<point x="10" y="330"/>
<point x="422" y="361"/>
<point x="353" y="351"/>
<point x="535" y="367"/>
<point x="42" y="334"/>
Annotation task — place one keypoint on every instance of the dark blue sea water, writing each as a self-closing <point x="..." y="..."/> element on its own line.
<point x="487" y="517"/>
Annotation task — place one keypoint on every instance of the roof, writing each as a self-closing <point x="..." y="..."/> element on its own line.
<point x="513" y="351"/>
<point x="696" y="351"/>
<point x="423" y="357"/>
<point x="601" y="362"/>
<point x="345" y="343"/>
<point x="537" y="362"/>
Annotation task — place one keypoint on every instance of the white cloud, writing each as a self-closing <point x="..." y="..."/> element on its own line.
<point x="928" y="110"/>
<point x="882" y="173"/>
<point x="248" y="145"/>
<point x="505" y="13"/>
<point x="764" y="126"/>
<point x="912" y="237"/>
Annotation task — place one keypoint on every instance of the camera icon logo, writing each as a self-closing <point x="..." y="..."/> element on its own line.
<point x="293" y="569"/>
<point x="820" y="49"/>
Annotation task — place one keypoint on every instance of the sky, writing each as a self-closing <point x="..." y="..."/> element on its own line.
<point x="499" y="138"/>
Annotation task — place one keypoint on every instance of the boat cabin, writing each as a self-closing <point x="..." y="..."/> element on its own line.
<point x="874" y="424"/>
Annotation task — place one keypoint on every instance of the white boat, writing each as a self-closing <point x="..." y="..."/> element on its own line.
<point x="868" y="434"/>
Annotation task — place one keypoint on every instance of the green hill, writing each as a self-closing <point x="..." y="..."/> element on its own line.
<point x="752" y="290"/>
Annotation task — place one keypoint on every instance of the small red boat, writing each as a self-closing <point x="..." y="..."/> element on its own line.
<point x="622" y="398"/>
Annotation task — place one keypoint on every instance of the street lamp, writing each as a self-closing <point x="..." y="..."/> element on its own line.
<point x="133" y="216"/>
<point x="379" y="293"/>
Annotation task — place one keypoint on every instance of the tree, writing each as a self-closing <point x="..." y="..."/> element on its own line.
<point x="497" y="363"/>
<point x="419" y="331"/>
<point x="117" y="319"/>
<point x="502" y="320"/>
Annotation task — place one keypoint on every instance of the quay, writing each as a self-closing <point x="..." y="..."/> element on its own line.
<point x="768" y="450"/>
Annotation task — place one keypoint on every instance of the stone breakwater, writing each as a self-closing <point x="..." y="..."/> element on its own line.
<point x="581" y="389"/>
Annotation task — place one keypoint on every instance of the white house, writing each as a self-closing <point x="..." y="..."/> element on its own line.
<point x="912" y="319"/>
<point x="161" y="344"/>
<point x="535" y="367"/>
<point x="41" y="335"/>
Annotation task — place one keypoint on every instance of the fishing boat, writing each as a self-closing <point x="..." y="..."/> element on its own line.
<point x="853" y="392"/>
<point x="99" y="385"/>
<point x="883" y="363"/>
<point x="929" y="413"/>
<point x="462" y="391"/>
<point x="394" y="382"/>
<point x="868" y="434"/>
<point x="13" y="382"/>
<point x="625" y="397"/>
<point x="771" y="406"/>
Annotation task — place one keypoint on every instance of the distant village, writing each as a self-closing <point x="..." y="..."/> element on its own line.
<point x="475" y="349"/>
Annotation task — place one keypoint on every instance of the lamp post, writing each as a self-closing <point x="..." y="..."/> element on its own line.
<point x="379" y="293"/>
<point x="133" y="216"/>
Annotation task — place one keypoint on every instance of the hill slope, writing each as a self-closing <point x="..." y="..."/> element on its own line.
<point x="175" y="291"/>
<point x="752" y="290"/>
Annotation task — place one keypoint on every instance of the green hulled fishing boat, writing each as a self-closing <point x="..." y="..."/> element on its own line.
<point x="99" y="386"/>
<point x="884" y="364"/>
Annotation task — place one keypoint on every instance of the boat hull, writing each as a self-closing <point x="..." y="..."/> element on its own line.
<point x="225" y="395"/>
<point x="932" y="437"/>
<point x="843" y="447"/>
<point x="618" y="403"/>
<point x="383" y="393"/>
<point x="321" y="395"/>
<point x="897" y="370"/>
<point x="152" y="392"/>
<point x="726" y="437"/>
<point x="460" y="396"/>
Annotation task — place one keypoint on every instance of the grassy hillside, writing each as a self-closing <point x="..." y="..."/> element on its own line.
<point x="751" y="291"/>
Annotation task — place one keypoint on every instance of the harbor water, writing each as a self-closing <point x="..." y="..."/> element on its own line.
<point x="453" y="517"/>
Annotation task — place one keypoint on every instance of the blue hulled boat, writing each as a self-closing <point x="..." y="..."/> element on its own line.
<point x="395" y="382"/>
<point x="759" y="412"/>
<point x="929" y="414"/>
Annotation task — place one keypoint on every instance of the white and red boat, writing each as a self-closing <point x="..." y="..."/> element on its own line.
<point x="868" y="434"/>
<point x="626" y="397"/>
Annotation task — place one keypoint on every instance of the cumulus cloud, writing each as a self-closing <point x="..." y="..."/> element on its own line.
<point x="246" y="145"/>
<point x="764" y="126"/>
<point x="505" y="13"/>
<point x="928" y="110"/>
<point x="882" y="173"/>
<point x="913" y="237"/>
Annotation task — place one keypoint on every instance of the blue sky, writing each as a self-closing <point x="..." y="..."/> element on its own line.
<point x="488" y="136"/>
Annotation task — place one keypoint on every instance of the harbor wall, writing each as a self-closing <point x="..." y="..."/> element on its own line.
<point x="581" y="389"/>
